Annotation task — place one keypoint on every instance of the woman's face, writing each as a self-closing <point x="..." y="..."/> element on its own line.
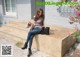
<point x="39" y="13"/>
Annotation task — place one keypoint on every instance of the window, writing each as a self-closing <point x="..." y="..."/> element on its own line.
<point x="10" y="7"/>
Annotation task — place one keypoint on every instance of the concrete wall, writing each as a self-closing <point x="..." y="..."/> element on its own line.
<point x="23" y="9"/>
<point x="52" y="17"/>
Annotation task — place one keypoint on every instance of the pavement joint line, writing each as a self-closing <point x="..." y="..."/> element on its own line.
<point x="17" y="28"/>
<point x="12" y="35"/>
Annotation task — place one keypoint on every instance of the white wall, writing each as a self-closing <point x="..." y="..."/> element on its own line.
<point x="52" y="17"/>
<point x="24" y="9"/>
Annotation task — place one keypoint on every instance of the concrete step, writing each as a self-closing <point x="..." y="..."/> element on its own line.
<point x="13" y="32"/>
<point x="18" y="25"/>
<point x="10" y="36"/>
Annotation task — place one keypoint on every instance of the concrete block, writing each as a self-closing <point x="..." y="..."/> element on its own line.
<point x="57" y="43"/>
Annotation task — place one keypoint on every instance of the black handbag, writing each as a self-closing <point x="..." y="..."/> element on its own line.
<point x="45" y="30"/>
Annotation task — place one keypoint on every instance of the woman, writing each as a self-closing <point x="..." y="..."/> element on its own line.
<point x="37" y="24"/>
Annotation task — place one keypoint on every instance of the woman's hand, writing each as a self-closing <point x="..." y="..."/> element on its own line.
<point x="28" y="25"/>
<point x="31" y="23"/>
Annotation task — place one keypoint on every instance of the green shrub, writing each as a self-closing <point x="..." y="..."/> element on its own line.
<point x="78" y="39"/>
<point x="77" y="36"/>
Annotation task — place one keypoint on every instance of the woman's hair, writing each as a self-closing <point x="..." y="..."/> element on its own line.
<point x="42" y="15"/>
<point x="37" y="16"/>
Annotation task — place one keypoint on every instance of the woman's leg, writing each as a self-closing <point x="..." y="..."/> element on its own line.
<point x="33" y="33"/>
<point x="28" y="38"/>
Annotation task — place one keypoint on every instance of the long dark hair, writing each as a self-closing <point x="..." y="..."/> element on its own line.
<point x="42" y="14"/>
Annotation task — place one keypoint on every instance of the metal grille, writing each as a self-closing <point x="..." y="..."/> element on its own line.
<point x="66" y="11"/>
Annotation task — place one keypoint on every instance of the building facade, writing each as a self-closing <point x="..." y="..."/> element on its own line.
<point x="25" y="9"/>
<point x="17" y="9"/>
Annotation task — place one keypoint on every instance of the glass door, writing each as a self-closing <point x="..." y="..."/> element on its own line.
<point x="10" y="7"/>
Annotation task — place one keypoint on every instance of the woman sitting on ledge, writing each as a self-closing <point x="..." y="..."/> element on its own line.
<point x="37" y="23"/>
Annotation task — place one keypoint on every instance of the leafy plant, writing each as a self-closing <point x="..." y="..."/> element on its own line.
<point x="77" y="33"/>
<point x="77" y="13"/>
<point x="77" y="36"/>
<point x="78" y="39"/>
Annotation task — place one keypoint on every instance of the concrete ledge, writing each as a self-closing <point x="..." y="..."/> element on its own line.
<point x="57" y="43"/>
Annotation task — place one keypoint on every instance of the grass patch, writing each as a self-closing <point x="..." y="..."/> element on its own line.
<point x="19" y="44"/>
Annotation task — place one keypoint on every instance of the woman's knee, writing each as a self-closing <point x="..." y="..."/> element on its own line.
<point x="30" y="33"/>
<point x="33" y="32"/>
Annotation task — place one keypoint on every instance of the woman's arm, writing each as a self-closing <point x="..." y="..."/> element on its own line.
<point x="28" y="25"/>
<point x="31" y="22"/>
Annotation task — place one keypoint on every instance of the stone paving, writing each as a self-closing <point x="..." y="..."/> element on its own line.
<point x="74" y="52"/>
<point x="18" y="52"/>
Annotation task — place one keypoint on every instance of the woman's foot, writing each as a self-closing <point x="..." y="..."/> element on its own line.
<point x="25" y="46"/>
<point x="29" y="52"/>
